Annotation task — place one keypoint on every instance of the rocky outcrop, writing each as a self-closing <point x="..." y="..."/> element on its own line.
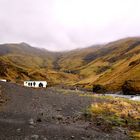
<point x="99" y="88"/>
<point x="131" y="87"/>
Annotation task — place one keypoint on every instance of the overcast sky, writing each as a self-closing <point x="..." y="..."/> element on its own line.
<point x="67" y="24"/>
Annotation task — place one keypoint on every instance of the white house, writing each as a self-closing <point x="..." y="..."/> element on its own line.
<point x="3" y="80"/>
<point x="35" y="84"/>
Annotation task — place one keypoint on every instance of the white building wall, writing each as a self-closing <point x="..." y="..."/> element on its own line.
<point x="3" y="80"/>
<point x="35" y="83"/>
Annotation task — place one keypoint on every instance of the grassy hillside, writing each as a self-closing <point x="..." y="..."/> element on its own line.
<point x="110" y="64"/>
<point x="19" y="62"/>
<point x="74" y="59"/>
<point x="115" y="63"/>
<point x="26" y="56"/>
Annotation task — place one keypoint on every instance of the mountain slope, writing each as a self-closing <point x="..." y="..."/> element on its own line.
<point x="20" y="62"/>
<point x="108" y="64"/>
<point x="118" y="63"/>
<point x="25" y="55"/>
<point x="74" y="59"/>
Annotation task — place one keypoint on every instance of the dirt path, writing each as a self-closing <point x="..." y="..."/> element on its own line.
<point x="47" y="114"/>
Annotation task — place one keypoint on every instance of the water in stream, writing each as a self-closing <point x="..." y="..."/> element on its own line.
<point x="131" y="97"/>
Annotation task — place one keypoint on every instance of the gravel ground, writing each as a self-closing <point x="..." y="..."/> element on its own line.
<point x="47" y="114"/>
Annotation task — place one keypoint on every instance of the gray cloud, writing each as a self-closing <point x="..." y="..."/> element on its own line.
<point x="67" y="24"/>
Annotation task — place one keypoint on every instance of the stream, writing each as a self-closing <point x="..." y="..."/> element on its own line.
<point x="131" y="97"/>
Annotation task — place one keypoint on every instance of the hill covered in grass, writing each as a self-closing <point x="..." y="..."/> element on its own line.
<point x="19" y="62"/>
<point x="113" y="64"/>
<point x="110" y="65"/>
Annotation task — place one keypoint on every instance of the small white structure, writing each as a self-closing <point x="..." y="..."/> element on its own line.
<point x="3" y="80"/>
<point x="35" y="84"/>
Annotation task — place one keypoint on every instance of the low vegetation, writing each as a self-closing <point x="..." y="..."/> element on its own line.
<point x="114" y="113"/>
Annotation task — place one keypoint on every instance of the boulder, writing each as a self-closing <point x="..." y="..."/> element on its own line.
<point x="99" y="89"/>
<point x="131" y="87"/>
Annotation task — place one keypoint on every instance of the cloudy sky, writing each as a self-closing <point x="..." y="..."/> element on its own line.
<point x="67" y="24"/>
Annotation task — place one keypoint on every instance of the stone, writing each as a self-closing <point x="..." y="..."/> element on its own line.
<point x="59" y="117"/>
<point x="26" y="138"/>
<point x="31" y="121"/>
<point x="43" y="138"/>
<point x="2" y="101"/>
<point x="18" y="130"/>
<point x="83" y="138"/>
<point x="54" y="105"/>
<point x="72" y="137"/>
<point x="32" y="126"/>
<point x="35" y="137"/>
<point x="59" y="109"/>
<point x="39" y="120"/>
<point x="41" y="113"/>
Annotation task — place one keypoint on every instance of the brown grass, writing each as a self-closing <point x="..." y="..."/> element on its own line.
<point x="111" y="112"/>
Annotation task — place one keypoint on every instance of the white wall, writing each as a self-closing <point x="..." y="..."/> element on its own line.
<point x="3" y="80"/>
<point x="36" y="85"/>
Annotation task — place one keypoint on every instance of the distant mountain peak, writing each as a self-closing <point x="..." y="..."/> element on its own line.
<point x="24" y="44"/>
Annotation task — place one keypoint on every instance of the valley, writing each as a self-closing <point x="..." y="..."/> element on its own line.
<point x="71" y="106"/>
<point x="109" y="65"/>
<point x="69" y="70"/>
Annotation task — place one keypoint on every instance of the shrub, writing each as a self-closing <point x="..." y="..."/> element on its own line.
<point x="99" y="88"/>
